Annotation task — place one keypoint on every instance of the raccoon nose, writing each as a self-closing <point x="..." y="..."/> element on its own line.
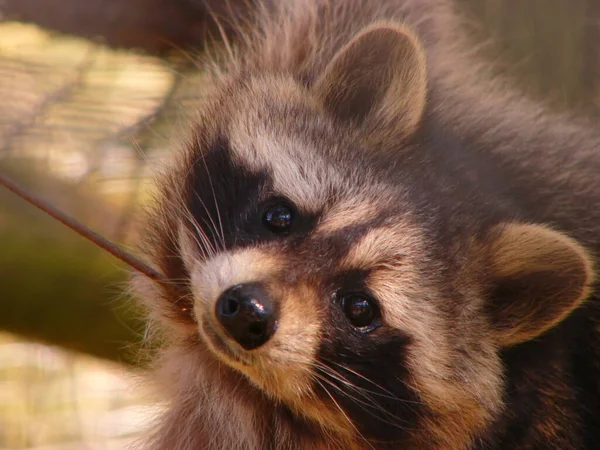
<point x="247" y="314"/>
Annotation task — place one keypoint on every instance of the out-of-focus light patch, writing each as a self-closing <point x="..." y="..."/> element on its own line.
<point x="19" y="36"/>
<point x="119" y="186"/>
<point x="54" y="399"/>
<point x="127" y="421"/>
<point x="22" y="354"/>
<point x="69" y="165"/>
<point x="117" y="161"/>
<point x="65" y="100"/>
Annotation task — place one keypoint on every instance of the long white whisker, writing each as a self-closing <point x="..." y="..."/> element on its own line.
<point x="374" y="405"/>
<point x="206" y="245"/>
<point x="372" y="382"/>
<point x="214" y="199"/>
<point x="369" y="408"/>
<point x="185" y="211"/>
<point x="213" y="226"/>
<point x="343" y="413"/>
<point x="345" y="380"/>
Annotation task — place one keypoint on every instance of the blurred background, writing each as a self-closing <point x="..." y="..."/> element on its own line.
<point x="92" y="97"/>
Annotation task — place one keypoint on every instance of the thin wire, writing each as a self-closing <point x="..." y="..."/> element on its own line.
<point x="84" y="231"/>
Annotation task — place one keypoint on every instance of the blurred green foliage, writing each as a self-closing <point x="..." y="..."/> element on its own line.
<point x="58" y="288"/>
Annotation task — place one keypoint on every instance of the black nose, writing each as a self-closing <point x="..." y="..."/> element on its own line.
<point x="247" y="314"/>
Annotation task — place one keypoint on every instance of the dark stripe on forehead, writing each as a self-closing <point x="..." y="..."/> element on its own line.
<point x="227" y="198"/>
<point x="219" y="190"/>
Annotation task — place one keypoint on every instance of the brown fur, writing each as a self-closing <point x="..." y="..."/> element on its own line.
<point x="468" y="285"/>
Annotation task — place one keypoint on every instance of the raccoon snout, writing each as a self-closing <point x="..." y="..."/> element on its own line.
<point x="247" y="314"/>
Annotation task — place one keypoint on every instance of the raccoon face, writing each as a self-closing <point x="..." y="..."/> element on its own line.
<point x="310" y="273"/>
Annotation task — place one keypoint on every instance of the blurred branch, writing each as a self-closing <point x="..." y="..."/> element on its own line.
<point x="155" y="26"/>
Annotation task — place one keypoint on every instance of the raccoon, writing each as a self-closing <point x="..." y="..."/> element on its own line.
<point x="372" y="245"/>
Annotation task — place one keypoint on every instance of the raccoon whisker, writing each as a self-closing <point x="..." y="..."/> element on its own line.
<point x="365" y="392"/>
<point x="212" y="188"/>
<point x="330" y="371"/>
<point x="389" y="394"/>
<point x="206" y="246"/>
<point x="370" y="408"/>
<point x="209" y="242"/>
<point x="343" y="413"/>
<point x="199" y="230"/>
<point x="361" y="391"/>
<point x="368" y="380"/>
<point x="327" y="431"/>
<point x="348" y="384"/>
<point x="212" y="226"/>
<point x="199" y="238"/>
<point x="213" y="229"/>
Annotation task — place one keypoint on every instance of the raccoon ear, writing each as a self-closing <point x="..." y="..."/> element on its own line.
<point x="378" y="79"/>
<point x="538" y="277"/>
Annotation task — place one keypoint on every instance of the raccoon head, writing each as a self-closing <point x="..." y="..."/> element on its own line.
<point x="312" y="272"/>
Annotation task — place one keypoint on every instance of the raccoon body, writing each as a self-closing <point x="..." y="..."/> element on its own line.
<point x="378" y="247"/>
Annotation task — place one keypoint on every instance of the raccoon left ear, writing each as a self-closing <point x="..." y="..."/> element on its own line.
<point x="538" y="277"/>
<point x="377" y="81"/>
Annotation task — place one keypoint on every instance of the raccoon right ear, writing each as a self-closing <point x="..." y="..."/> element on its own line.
<point x="538" y="277"/>
<point x="377" y="81"/>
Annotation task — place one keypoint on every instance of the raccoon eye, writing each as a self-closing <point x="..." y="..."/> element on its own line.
<point x="278" y="218"/>
<point x="360" y="310"/>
